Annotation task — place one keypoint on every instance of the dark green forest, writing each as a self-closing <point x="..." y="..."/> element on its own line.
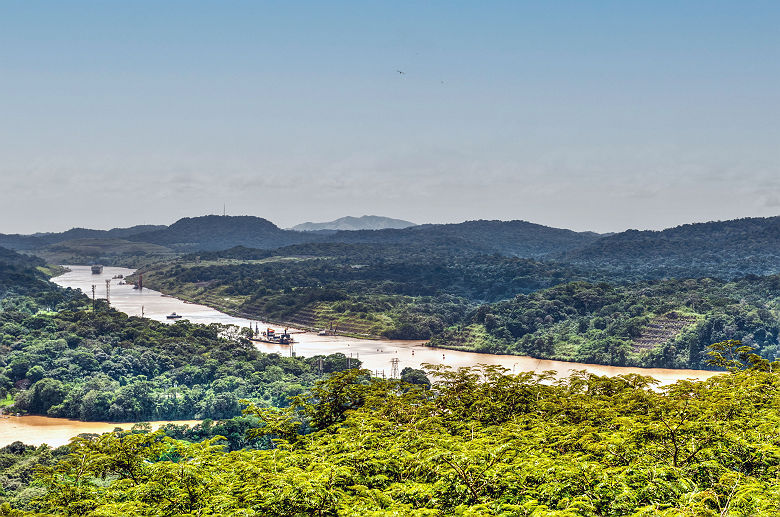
<point x="488" y="303"/>
<point x="60" y="357"/>
<point x="371" y="289"/>
<point x="291" y="436"/>
<point x="478" y="442"/>
<point x="668" y="323"/>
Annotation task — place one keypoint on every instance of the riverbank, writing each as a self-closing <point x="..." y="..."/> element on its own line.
<point x="228" y="305"/>
<point x="383" y="357"/>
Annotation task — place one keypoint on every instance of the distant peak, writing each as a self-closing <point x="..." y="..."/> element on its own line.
<point x="364" y="222"/>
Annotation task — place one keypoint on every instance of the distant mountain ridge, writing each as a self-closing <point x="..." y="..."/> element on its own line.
<point x="41" y="240"/>
<point x="724" y="249"/>
<point x="349" y="223"/>
<point x="516" y="238"/>
<point x="217" y="232"/>
<point x="721" y="249"/>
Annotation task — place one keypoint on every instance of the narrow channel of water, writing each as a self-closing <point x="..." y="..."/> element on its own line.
<point x="37" y="430"/>
<point x="376" y="355"/>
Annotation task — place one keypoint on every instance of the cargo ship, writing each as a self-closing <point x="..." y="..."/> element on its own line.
<point x="97" y="269"/>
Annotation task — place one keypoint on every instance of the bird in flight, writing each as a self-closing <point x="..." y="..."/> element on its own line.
<point x="401" y="72"/>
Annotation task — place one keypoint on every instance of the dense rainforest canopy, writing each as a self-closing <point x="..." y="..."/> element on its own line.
<point x="478" y="442"/>
<point x="294" y="436"/>
<point x="60" y="357"/>
<point x="486" y="303"/>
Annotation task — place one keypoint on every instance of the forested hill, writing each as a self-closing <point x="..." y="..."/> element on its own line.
<point x="478" y="444"/>
<point x="18" y="272"/>
<point x="668" y="323"/>
<point x="26" y="278"/>
<point x="41" y="240"/>
<point x="516" y="238"/>
<point x="723" y="249"/>
<point x="214" y="232"/>
<point x="10" y="258"/>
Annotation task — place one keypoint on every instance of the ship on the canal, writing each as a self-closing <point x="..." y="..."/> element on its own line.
<point x="271" y="336"/>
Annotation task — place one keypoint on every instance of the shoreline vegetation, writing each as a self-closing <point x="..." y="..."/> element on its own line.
<point x="647" y="323"/>
<point x="226" y="307"/>
<point x="474" y="442"/>
<point x="290" y="436"/>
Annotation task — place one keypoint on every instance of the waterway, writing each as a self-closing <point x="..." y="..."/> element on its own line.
<point x="37" y="430"/>
<point x="375" y="355"/>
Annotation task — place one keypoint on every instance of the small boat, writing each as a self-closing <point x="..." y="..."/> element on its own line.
<point x="173" y="316"/>
<point x="97" y="269"/>
<point x="115" y="277"/>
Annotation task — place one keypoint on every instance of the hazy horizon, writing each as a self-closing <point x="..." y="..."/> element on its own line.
<point x="167" y="223"/>
<point x="573" y="115"/>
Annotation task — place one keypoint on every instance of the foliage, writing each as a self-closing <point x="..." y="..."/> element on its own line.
<point x="720" y="249"/>
<point x="479" y="442"/>
<point x="212" y="232"/>
<point x="363" y="288"/>
<point x="105" y="365"/>
<point x="608" y="324"/>
<point x="59" y="359"/>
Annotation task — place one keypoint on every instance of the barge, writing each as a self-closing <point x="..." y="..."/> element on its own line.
<point x="271" y="336"/>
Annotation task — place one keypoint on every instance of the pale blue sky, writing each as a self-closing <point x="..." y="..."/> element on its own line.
<point x="586" y="115"/>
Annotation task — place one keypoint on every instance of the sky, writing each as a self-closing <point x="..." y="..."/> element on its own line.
<point x="595" y="116"/>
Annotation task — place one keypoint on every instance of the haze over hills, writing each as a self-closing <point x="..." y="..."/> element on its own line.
<point x="365" y="222"/>
<point x="41" y="240"/>
<point x="516" y="238"/>
<point x="723" y="249"/>
<point x="215" y="232"/>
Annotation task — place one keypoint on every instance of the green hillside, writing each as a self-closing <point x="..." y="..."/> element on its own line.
<point x="479" y="443"/>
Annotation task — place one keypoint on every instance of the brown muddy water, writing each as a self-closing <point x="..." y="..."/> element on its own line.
<point x="376" y="355"/>
<point x="37" y="430"/>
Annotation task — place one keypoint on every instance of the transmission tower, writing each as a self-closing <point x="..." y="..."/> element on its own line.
<point x="93" y="297"/>
<point x="394" y="368"/>
<point x="108" y="292"/>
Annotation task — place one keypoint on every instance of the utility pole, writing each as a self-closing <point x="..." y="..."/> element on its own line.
<point x="108" y="292"/>
<point x="93" y="297"/>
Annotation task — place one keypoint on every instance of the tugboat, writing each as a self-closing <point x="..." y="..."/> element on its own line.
<point x="97" y="269"/>
<point x="173" y="316"/>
